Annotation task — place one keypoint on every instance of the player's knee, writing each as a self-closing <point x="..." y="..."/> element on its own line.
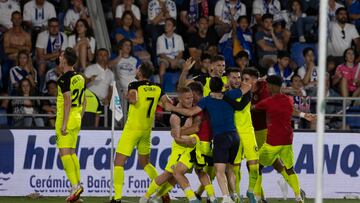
<point x="144" y="160"/>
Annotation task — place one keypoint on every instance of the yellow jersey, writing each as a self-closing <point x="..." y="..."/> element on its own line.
<point x="74" y="83"/>
<point x="141" y="114"/>
<point x="243" y="121"/>
<point x="207" y="85"/>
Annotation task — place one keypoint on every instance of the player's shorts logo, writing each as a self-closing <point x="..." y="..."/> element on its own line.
<point x="256" y="149"/>
<point x="7" y="164"/>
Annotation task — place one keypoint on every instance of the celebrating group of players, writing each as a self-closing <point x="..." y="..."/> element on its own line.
<point x="217" y="121"/>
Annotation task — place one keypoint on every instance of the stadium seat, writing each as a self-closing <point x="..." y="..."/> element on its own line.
<point x="353" y="122"/>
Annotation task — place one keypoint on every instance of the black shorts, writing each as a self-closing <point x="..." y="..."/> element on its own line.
<point x="226" y="146"/>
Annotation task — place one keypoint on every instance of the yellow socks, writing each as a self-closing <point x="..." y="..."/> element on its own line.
<point x="237" y="173"/>
<point x="153" y="187"/>
<point x="285" y="175"/>
<point x="189" y="194"/>
<point x="77" y="165"/>
<point x="118" y="181"/>
<point x="258" y="186"/>
<point x="253" y="176"/>
<point x="210" y="191"/>
<point x="150" y="170"/>
<point x="164" y="188"/>
<point x="70" y="169"/>
<point x="294" y="184"/>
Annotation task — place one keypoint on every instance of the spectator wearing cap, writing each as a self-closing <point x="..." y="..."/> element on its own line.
<point x="225" y="12"/>
<point x="7" y="8"/>
<point x="268" y="43"/>
<point x="169" y="48"/>
<point x="282" y="68"/>
<point x="49" y="45"/>
<point x="127" y="5"/>
<point x="341" y="35"/>
<point x="203" y="41"/>
<point x="78" y="11"/>
<point x="347" y="75"/>
<point x="191" y="11"/>
<point x="261" y="7"/>
<point x="16" y="39"/>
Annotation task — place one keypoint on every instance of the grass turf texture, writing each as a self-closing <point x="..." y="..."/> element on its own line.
<point x="134" y="200"/>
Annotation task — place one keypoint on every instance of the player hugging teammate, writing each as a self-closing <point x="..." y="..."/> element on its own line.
<point x="218" y="121"/>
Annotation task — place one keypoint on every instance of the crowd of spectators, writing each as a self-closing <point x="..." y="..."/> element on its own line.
<point x="278" y="37"/>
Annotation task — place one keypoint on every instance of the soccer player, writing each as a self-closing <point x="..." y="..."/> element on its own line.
<point x="279" y="109"/>
<point x="225" y="138"/>
<point x="216" y="69"/>
<point x="179" y="145"/>
<point x="245" y="129"/>
<point x="143" y="97"/>
<point x="199" y="157"/>
<point x="70" y="105"/>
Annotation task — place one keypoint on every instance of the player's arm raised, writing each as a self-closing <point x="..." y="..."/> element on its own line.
<point x="132" y="96"/>
<point x="67" y="108"/>
<point x="175" y="132"/>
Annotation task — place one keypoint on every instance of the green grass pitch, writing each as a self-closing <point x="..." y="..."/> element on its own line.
<point x="134" y="200"/>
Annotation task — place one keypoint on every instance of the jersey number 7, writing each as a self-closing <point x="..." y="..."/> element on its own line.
<point x="151" y="99"/>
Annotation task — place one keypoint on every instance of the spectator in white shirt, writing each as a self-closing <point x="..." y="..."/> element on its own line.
<point x="261" y="7"/>
<point x="83" y="42"/>
<point x="7" y="7"/>
<point x="49" y="45"/>
<point x="158" y="12"/>
<point x="342" y="34"/>
<point x="128" y="5"/>
<point x="100" y="77"/>
<point x="125" y="66"/>
<point x="77" y="11"/>
<point x="37" y="13"/>
<point x="223" y="14"/>
<point x="308" y="72"/>
<point x="169" y="48"/>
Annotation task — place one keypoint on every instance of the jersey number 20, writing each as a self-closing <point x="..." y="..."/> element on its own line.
<point x="77" y="96"/>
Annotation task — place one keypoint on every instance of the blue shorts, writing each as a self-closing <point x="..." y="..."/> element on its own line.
<point x="226" y="146"/>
